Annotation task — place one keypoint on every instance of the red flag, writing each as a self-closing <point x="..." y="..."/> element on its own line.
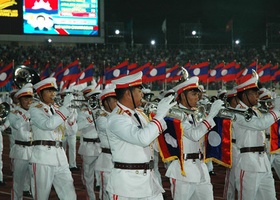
<point x="27" y="62"/>
<point x="218" y="142"/>
<point x="264" y="73"/>
<point x="46" y="72"/>
<point x="246" y="73"/>
<point x="214" y="74"/>
<point x="174" y="73"/>
<point x="86" y="75"/>
<point x="6" y="74"/>
<point x="144" y="68"/>
<point x="71" y="71"/>
<point x="116" y="72"/>
<point x="274" y="137"/>
<point x="156" y="73"/>
<point x="229" y="25"/>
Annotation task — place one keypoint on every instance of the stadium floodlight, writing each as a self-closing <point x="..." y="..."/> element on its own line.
<point x="117" y="31"/>
<point x="49" y="40"/>
<point x="153" y="42"/>
<point x="193" y="32"/>
<point x="237" y="42"/>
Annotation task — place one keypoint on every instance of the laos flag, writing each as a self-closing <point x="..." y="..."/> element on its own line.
<point x="274" y="138"/>
<point x="171" y="142"/>
<point x="218" y="142"/>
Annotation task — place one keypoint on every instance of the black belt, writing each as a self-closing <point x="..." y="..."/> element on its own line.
<point x="56" y="144"/>
<point x="23" y="143"/>
<point x="106" y="150"/>
<point x="193" y="156"/>
<point x="94" y="140"/>
<point x="252" y="149"/>
<point x="135" y="166"/>
<point x="233" y="141"/>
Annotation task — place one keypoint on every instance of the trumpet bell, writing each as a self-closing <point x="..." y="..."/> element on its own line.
<point x="23" y="75"/>
<point x="4" y="110"/>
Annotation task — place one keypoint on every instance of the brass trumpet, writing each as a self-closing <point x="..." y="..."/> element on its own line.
<point x="176" y="112"/>
<point x="266" y="105"/>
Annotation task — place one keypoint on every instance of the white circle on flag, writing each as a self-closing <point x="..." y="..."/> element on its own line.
<point x="261" y="73"/>
<point x="66" y="72"/>
<point x="179" y="73"/>
<point x="153" y="72"/>
<point x="116" y="73"/>
<point x="224" y="72"/>
<point x="3" y="76"/>
<point x="213" y="72"/>
<point x="245" y="72"/>
<point x="214" y="139"/>
<point x="82" y="76"/>
<point x="196" y="71"/>
<point x="168" y="74"/>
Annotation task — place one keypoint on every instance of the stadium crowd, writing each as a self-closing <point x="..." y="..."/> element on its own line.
<point x="110" y="55"/>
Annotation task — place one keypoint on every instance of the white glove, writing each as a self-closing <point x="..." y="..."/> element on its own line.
<point x="215" y="108"/>
<point x="67" y="100"/>
<point x="277" y="103"/>
<point x="164" y="106"/>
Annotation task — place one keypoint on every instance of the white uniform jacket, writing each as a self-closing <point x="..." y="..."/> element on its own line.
<point x="251" y="134"/>
<point x="20" y="122"/>
<point x="197" y="171"/>
<point x="86" y="126"/>
<point x="46" y="126"/>
<point x="132" y="143"/>
<point x="104" y="161"/>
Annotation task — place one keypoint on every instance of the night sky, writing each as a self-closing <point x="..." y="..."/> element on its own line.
<point x="249" y="18"/>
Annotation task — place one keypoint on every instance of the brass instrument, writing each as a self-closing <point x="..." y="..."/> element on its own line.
<point x="266" y="105"/>
<point x="176" y="112"/>
<point x="4" y="111"/>
<point x="23" y="75"/>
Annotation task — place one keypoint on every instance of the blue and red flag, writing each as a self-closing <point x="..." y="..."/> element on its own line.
<point x="86" y="75"/>
<point x="215" y="74"/>
<point x="228" y="73"/>
<point x="173" y="74"/>
<point x="156" y="73"/>
<point x="276" y="76"/>
<point x="144" y="68"/>
<point x="264" y="73"/>
<point x="171" y="142"/>
<point x="275" y="137"/>
<point x="6" y="74"/>
<point x="246" y="73"/>
<point x="116" y="72"/>
<point x="218" y="142"/>
<point x="71" y="72"/>
<point x="46" y="72"/>
<point x="132" y="67"/>
<point x="200" y="70"/>
<point x="273" y="70"/>
<point x="57" y="70"/>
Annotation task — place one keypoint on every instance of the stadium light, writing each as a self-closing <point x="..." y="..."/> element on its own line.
<point x="49" y="40"/>
<point x="193" y="32"/>
<point x="153" y="42"/>
<point x="237" y="42"/>
<point x="117" y="31"/>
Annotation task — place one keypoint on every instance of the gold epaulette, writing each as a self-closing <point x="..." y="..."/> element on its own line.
<point x="14" y="111"/>
<point x="139" y="110"/>
<point x="120" y="111"/>
<point x="39" y="105"/>
<point x="103" y="114"/>
<point x="55" y="105"/>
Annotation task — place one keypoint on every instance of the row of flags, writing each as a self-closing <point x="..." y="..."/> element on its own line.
<point x="72" y="74"/>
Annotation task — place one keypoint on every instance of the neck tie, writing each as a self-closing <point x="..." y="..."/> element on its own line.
<point x="138" y="119"/>
<point x="51" y="110"/>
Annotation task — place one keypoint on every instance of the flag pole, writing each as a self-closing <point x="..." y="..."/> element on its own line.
<point x="131" y="34"/>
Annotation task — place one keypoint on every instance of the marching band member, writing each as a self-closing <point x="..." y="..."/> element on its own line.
<point x="131" y="137"/>
<point x="104" y="163"/>
<point x="196" y="183"/>
<point x="90" y="144"/>
<point x="230" y="186"/>
<point x="49" y="161"/>
<point x="3" y="127"/>
<point x="70" y="136"/>
<point x="253" y="174"/>
<point x="21" y="151"/>
<point x="275" y="156"/>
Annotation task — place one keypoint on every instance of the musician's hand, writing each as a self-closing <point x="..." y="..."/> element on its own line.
<point x="164" y="105"/>
<point x="67" y="100"/>
<point x="215" y="108"/>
